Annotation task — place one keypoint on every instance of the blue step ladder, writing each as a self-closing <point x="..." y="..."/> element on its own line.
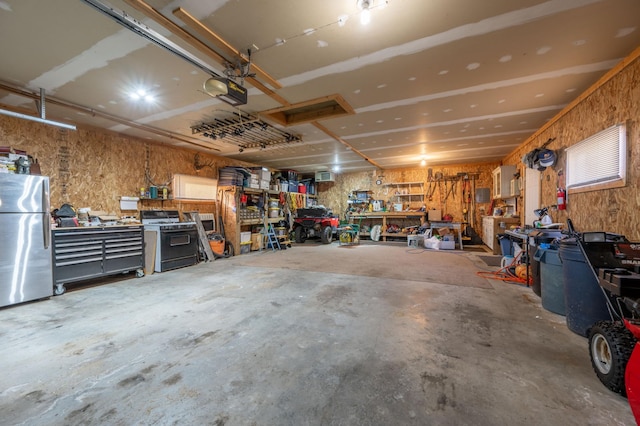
<point x="272" y="238"/>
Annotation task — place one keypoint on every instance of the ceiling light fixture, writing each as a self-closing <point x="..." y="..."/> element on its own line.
<point x="365" y="13"/>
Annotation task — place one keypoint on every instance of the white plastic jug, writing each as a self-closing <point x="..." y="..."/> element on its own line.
<point x="506" y="261"/>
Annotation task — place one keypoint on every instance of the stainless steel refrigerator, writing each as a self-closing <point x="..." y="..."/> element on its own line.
<point x="25" y="246"/>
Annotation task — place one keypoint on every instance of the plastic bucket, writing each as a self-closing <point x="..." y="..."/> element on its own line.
<point x="551" y="280"/>
<point x="217" y="246"/>
<point x="506" y="260"/>
<point x="274" y="212"/>
<point x="585" y="302"/>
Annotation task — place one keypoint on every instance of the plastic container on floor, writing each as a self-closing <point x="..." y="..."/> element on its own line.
<point x="551" y="280"/>
<point x="585" y="302"/>
<point x="536" y="238"/>
<point x="505" y="244"/>
<point x="245" y="247"/>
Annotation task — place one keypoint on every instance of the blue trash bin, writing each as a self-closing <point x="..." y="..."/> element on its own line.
<point x="505" y="244"/>
<point x="585" y="301"/>
<point x="551" y="280"/>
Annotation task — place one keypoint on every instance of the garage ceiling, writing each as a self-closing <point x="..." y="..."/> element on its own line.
<point x="446" y="81"/>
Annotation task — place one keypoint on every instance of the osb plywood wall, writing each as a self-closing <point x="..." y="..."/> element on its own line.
<point x="335" y="194"/>
<point x="614" y="210"/>
<point x="88" y="168"/>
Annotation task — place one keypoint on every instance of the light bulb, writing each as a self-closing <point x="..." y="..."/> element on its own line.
<point x="365" y="16"/>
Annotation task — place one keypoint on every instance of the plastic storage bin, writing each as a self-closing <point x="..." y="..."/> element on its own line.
<point x="415" y="240"/>
<point x="585" y="302"/>
<point x="245" y="247"/>
<point x="551" y="280"/>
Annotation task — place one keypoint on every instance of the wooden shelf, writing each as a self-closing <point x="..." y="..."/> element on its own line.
<point x="383" y="217"/>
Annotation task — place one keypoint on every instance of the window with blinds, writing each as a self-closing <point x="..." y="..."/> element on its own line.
<point x="599" y="161"/>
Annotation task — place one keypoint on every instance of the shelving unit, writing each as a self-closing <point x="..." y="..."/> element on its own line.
<point x="358" y="201"/>
<point x="235" y="225"/>
<point x="384" y="219"/>
<point x="406" y="193"/>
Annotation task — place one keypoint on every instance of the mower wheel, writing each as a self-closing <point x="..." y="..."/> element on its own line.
<point x="327" y="235"/>
<point x="300" y="234"/>
<point x="610" y="346"/>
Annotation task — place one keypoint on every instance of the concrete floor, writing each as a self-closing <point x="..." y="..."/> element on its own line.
<point x="313" y="335"/>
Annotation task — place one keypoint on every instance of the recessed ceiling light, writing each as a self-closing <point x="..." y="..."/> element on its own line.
<point x="473" y="66"/>
<point x="412" y="78"/>
<point x="443" y="72"/>
<point x="505" y="58"/>
<point x="539" y="95"/>
<point x="447" y="110"/>
<point x="501" y="101"/>
<point x="379" y="121"/>
<point x="382" y="86"/>
<point x="473" y="106"/>
<point x="543" y="50"/>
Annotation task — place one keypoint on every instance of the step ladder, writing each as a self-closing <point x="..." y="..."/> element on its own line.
<point x="202" y="235"/>
<point x="272" y="238"/>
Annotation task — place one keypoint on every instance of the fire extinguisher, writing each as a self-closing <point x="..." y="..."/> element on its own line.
<point x="562" y="199"/>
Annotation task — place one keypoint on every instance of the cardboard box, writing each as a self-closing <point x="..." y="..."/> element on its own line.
<point x="443" y="231"/>
<point x="434" y="215"/>
<point x="245" y="237"/>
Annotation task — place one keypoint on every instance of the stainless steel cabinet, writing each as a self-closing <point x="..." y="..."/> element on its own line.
<point x="84" y="253"/>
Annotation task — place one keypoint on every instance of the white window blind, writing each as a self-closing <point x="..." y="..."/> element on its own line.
<point x="598" y="160"/>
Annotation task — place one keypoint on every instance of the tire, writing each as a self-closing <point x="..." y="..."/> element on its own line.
<point x="228" y="249"/>
<point x="326" y="235"/>
<point x="610" y="346"/>
<point x="300" y="234"/>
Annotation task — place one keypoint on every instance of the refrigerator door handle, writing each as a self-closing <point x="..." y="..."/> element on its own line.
<point x="46" y="228"/>
<point x="46" y="225"/>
